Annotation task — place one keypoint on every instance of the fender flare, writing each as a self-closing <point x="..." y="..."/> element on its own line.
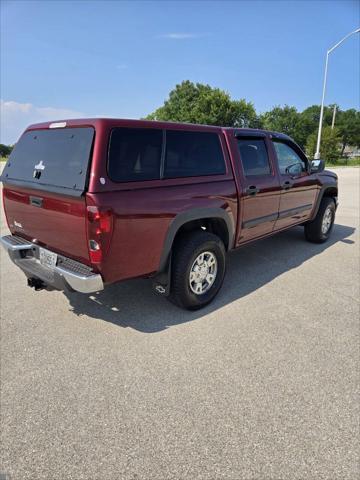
<point x="187" y="216"/>
<point x="161" y="280"/>
<point x="324" y="187"/>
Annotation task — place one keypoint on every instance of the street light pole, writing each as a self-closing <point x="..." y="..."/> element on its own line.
<point x="317" y="153"/>
<point x="333" y="119"/>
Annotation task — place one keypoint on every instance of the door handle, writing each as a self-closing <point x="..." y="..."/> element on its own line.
<point x="286" y="185"/>
<point x="252" y="190"/>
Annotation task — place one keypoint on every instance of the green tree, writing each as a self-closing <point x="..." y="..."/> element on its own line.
<point x="329" y="146"/>
<point x="5" y="150"/>
<point x="309" y="121"/>
<point x="285" y="120"/>
<point x="348" y="124"/>
<point x="198" y="103"/>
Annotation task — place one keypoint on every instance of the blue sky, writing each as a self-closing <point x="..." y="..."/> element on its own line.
<point x="116" y="58"/>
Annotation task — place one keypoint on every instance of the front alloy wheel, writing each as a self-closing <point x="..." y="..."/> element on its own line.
<point x="327" y="220"/>
<point x="318" y="230"/>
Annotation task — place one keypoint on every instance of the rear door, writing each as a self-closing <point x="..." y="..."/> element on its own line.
<point x="298" y="188"/>
<point x="44" y="181"/>
<point x="260" y="196"/>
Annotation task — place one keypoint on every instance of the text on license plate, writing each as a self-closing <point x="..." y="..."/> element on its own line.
<point x="47" y="259"/>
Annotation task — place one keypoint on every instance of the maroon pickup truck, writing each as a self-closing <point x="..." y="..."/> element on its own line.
<point x="95" y="201"/>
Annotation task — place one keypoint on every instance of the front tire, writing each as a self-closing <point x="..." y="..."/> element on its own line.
<point x="198" y="270"/>
<point x="319" y="230"/>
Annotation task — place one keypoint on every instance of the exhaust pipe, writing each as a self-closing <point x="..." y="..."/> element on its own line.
<point x="36" y="283"/>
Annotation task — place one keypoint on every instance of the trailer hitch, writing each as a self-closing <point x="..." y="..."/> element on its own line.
<point x="36" y="283"/>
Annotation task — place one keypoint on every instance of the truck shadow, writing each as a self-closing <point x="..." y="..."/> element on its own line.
<point x="134" y="304"/>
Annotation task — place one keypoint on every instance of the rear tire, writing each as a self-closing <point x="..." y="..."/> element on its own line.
<point x="198" y="270"/>
<point x="319" y="230"/>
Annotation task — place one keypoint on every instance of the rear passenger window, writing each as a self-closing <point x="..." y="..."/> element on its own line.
<point x="192" y="154"/>
<point x="254" y="157"/>
<point x="134" y="154"/>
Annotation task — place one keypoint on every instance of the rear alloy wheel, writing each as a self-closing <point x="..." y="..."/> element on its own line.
<point x="198" y="269"/>
<point x="203" y="273"/>
<point x="318" y="231"/>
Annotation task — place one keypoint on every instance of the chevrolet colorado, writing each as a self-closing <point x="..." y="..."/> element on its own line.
<point x="95" y="201"/>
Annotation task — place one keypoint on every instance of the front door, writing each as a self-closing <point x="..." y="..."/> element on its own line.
<point x="259" y="202"/>
<point x="298" y="187"/>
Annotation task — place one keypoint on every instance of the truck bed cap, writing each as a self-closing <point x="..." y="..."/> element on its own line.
<point x="124" y="122"/>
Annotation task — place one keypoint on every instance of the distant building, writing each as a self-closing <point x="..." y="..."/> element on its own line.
<point x="351" y="152"/>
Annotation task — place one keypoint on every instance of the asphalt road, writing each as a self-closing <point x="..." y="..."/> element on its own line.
<point x="262" y="384"/>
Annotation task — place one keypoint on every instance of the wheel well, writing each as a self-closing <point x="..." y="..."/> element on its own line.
<point x="331" y="192"/>
<point x="217" y="226"/>
<point x="214" y="225"/>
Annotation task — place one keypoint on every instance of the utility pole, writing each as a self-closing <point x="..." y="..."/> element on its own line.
<point x="333" y="119"/>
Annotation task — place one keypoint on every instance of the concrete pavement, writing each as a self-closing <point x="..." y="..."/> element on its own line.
<point x="262" y="384"/>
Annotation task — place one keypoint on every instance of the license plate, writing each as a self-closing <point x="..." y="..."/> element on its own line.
<point x="47" y="259"/>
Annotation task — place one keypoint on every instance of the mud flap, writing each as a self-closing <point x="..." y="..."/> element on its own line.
<point x="161" y="282"/>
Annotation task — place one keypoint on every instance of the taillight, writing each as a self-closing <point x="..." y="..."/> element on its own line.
<point x="100" y="225"/>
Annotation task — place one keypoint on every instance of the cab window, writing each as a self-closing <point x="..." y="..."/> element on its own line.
<point x="288" y="159"/>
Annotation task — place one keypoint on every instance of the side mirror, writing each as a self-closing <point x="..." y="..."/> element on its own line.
<point x="317" y="166"/>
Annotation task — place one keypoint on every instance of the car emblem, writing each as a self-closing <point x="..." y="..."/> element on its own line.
<point x="40" y="166"/>
<point x="38" y="169"/>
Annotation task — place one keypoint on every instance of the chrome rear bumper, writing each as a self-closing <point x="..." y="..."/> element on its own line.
<point x="67" y="274"/>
